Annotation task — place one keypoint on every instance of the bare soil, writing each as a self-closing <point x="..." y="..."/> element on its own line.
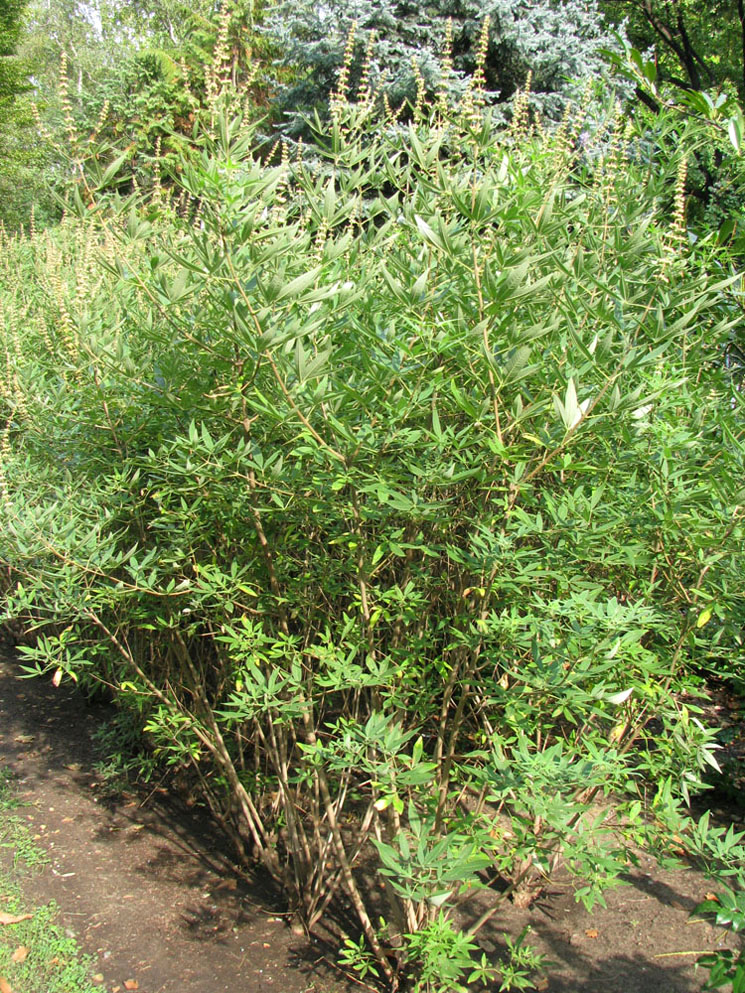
<point x="149" y="887"/>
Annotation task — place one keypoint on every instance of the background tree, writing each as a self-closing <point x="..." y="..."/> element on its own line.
<point x="553" y="42"/>
<point x="13" y="77"/>
<point x="687" y="68"/>
<point x="697" y="46"/>
<point x="135" y="75"/>
<point x="18" y="155"/>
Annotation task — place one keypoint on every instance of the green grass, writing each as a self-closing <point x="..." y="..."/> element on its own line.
<point x="36" y="955"/>
<point x="9" y="799"/>
<point x="14" y="834"/>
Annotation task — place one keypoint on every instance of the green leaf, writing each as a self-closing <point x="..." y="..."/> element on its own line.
<point x="704" y="617"/>
<point x="734" y="130"/>
<point x="428" y="234"/>
<point x="517" y="365"/>
<point x="296" y="286"/>
<point x="112" y="169"/>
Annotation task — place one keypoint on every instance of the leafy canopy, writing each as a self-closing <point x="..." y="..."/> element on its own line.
<point x="13" y="73"/>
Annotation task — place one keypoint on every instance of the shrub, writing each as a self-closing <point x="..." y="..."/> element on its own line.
<point x="398" y="499"/>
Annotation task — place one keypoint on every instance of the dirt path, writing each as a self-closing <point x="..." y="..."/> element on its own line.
<point x="149" y="890"/>
<point x="146" y="888"/>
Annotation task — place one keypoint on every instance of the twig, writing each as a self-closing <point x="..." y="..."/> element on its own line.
<point x="669" y="955"/>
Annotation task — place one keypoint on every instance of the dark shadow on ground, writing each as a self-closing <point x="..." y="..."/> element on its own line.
<point x="164" y="902"/>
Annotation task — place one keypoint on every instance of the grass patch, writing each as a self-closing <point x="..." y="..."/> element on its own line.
<point x="36" y="955"/>
<point x="9" y="798"/>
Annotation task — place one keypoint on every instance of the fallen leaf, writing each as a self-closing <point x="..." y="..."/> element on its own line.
<point x="131" y="984"/>
<point x="24" y="739"/>
<point x="711" y="896"/>
<point x="267" y="945"/>
<point x="13" y="918"/>
<point x="5" y="986"/>
<point x="591" y="932"/>
<point x="679" y="846"/>
<point x="541" y="984"/>
<point x="19" y="955"/>
<point x="98" y="978"/>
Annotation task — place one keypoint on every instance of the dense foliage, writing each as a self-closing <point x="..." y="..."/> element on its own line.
<point x="121" y="80"/>
<point x="393" y="485"/>
<point x="697" y="46"/>
<point x="399" y="46"/>
<point x="13" y="78"/>
<point x="711" y="127"/>
<point x="397" y="495"/>
<point x="14" y="116"/>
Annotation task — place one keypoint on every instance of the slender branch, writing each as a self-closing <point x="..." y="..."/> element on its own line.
<point x="741" y="16"/>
